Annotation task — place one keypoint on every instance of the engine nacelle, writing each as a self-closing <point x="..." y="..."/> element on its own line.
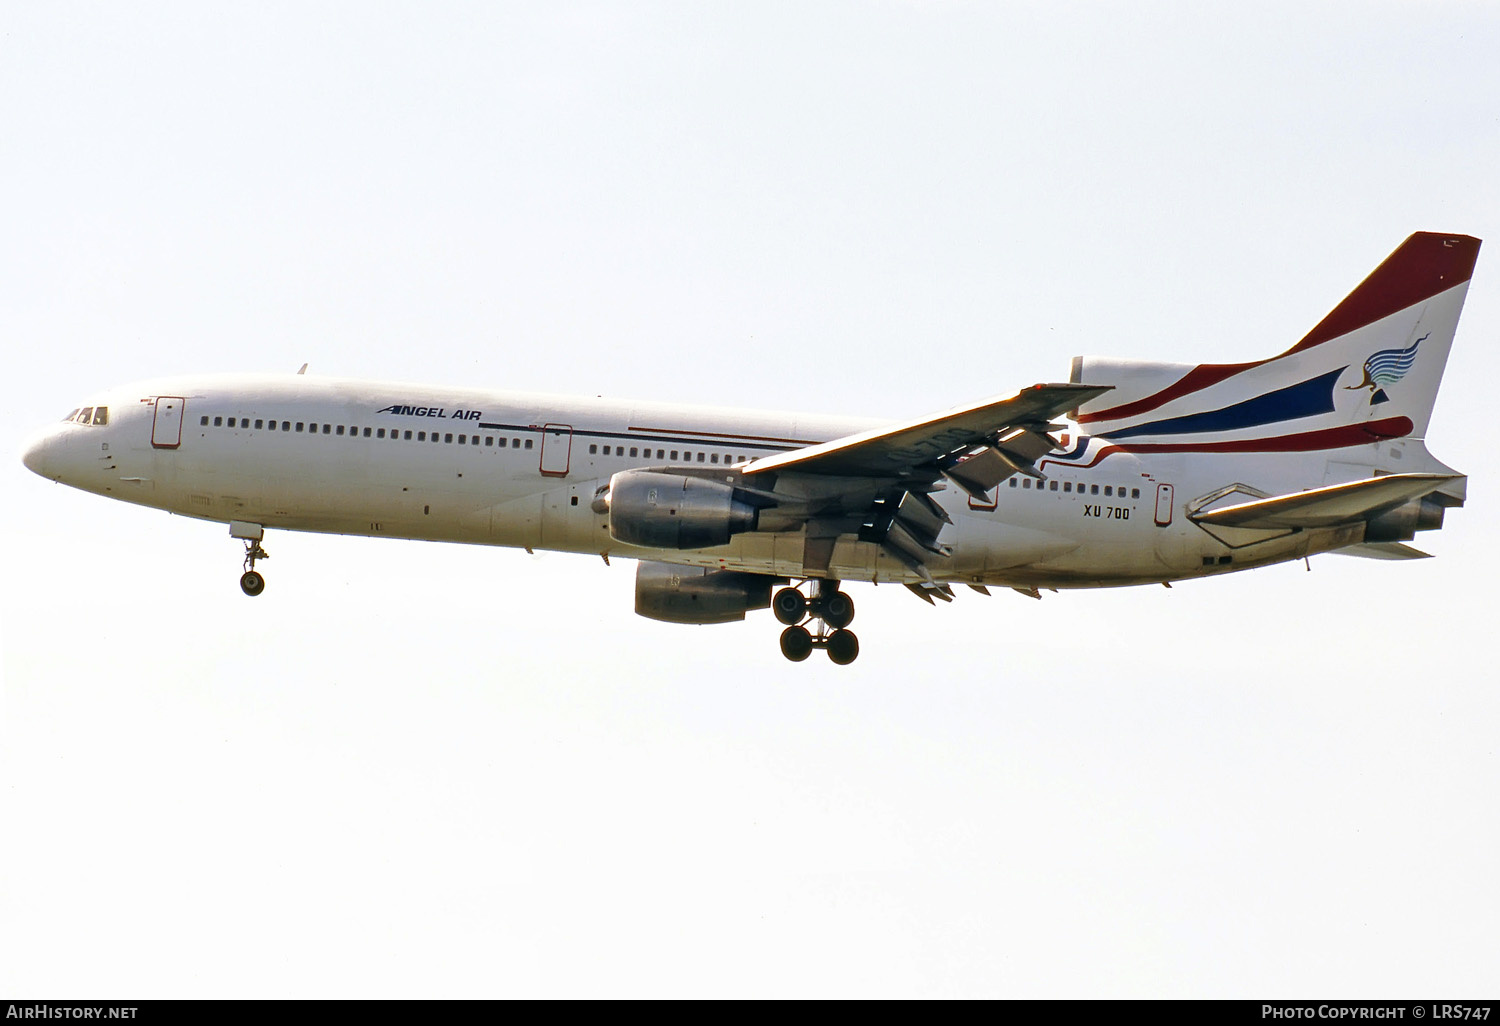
<point x="1403" y="522"/>
<point x="671" y="511"/>
<point x="694" y="594"/>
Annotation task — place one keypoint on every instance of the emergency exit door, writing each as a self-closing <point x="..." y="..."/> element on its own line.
<point x="166" y="426"/>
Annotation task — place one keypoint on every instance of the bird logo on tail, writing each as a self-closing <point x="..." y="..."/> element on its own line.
<point x="1387" y="367"/>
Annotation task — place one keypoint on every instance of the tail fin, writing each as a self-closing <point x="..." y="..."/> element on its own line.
<point x="1367" y="371"/>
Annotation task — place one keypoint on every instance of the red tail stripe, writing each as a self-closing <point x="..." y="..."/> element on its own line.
<point x="1420" y="268"/>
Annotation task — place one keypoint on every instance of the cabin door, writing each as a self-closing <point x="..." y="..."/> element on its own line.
<point x="166" y="427"/>
<point x="1163" y="505"/>
<point x="557" y="447"/>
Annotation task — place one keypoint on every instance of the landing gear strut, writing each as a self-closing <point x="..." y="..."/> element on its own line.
<point x="829" y="610"/>
<point x="251" y="582"/>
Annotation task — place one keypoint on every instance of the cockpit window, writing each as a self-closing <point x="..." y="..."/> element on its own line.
<point x="89" y="415"/>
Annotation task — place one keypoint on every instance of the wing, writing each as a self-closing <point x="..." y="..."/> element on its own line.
<point x="932" y="446"/>
<point x="877" y="484"/>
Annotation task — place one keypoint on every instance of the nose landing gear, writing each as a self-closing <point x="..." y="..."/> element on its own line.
<point x="832" y="610"/>
<point x="251" y="582"/>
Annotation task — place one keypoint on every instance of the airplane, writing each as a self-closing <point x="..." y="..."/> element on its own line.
<point x="1129" y="473"/>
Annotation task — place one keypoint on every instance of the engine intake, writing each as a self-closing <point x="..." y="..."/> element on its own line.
<point x="694" y="594"/>
<point x="670" y="511"/>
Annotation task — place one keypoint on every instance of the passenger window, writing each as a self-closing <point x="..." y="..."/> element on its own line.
<point x="1135" y="493"/>
<point x="421" y="436"/>
<point x="218" y="422"/>
<point x="1026" y="483"/>
<point x="437" y="438"/>
<point x="448" y="438"/>
<point x="1093" y="489"/>
<point x="593" y="450"/>
<point x="1013" y="482"/>
<point x="367" y="433"/>
<point x="259" y="424"/>
<point x="463" y="439"/>
<point x="489" y="440"/>
<point x="501" y="443"/>
<point x="1067" y="486"/>
<point x="1108" y="490"/>
<point x="473" y="439"/>
<point x="340" y="430"/>
<point x="1052" y="486"/>
<point x="634" y="451"/>
<point x="700" y="457"/>
<point x="406" y="437"/>
<point x="203" y="421"/>
<point x="714" y="458"/>
<point x="326" y="428"/>
<point x="528" y="443"/>
<point x="380" y="432"/>
<point x="674" y="454"/>
<point x="286" y="425"/>
<point x="299" y="427"/>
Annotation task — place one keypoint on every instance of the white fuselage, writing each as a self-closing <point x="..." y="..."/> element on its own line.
<point x="477" y="466"/>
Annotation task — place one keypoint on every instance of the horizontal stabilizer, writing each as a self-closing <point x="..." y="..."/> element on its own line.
<point x="1326" y="507"/>
<point x="1382" y="550"/>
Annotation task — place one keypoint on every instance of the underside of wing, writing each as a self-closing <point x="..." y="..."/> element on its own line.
<point x="877" y="484"/>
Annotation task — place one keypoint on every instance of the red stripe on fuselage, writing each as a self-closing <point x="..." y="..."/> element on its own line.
<point x="1306" y="441"/>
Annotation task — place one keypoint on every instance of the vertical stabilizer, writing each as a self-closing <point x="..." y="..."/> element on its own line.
<point x="1369" y="370"/>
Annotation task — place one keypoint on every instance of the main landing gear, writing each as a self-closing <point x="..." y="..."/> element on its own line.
<point x="833" y="611"/>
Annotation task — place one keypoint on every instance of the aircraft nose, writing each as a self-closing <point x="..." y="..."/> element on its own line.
<point x="36" y="452"/>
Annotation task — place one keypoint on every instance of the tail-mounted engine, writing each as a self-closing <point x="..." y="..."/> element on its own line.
<point x="1403" y="522"/>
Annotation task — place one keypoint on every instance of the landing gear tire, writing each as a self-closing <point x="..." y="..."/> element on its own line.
<point x="843" y="647"/>
<point x="790" y="607"/>
<point x="796" y="643"/>
<point x="838" y="611"/>
<point x="252" y="583"/>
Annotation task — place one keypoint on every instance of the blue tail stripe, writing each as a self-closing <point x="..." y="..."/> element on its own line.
<point x="1304" y="399"/>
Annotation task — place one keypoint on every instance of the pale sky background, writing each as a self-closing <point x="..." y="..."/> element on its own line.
<point x="415" y="770"/>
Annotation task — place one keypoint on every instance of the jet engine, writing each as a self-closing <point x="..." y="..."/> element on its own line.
<point x="694" y="594"/>
<point x="1403" y="522"/>
<point x="670" y="511"/>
